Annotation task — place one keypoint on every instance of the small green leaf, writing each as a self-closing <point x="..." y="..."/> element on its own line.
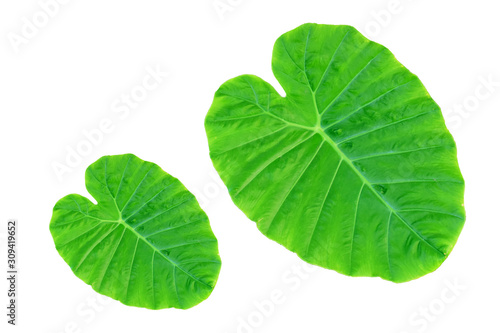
<point x="354" y="170"/>
<point x="146" y="243"/>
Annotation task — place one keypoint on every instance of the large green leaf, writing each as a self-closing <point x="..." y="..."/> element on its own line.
<point x="354" y="170"/>
<point x="146" y="243"/>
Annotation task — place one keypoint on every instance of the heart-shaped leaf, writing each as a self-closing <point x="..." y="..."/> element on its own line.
<point x="354" y="170"/>
<point x="146" y="243"/>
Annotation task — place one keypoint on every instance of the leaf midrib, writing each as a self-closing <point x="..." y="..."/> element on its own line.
<point x="320" y="130"/>
<point x="139" y="236"/>
<point x="369" y="184"/>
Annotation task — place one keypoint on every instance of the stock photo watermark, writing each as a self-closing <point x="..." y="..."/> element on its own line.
<point x="487" y="87"/>
<point x="12" y="271"/>
<point x="382" y="18"/>
<point x="86" y="312"/>
<point x="210" y="190"/>
<point x="224" y="7"/>
<point x="121" y="107"/>
<point x="292" y="280"/>
<point x="422" y="318"/>
<point x="32" y="25"/>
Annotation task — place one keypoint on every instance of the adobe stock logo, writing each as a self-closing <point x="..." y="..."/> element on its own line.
<point x="85" y="314"/>
<point x="122" y="106"/>
<point x="264" y="309"/>
<point x="427" y="314"/>
<point x="222" y="7"/>
<point x="382" y="18"/>
<point x="31" y="26"/>
<point x="485" y="90"/>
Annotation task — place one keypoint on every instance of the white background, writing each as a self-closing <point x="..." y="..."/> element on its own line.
<point x="65" y="78"/>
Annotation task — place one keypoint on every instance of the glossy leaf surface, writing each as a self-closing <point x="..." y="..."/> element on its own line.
<point x="146" y="243"/>
<point x="354" y="170"/>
